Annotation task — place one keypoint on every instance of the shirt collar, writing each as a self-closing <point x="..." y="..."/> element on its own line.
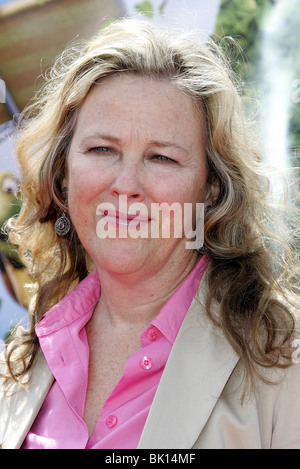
<point x="83" y="298"/>
<point x="78" y="303"/>
<point x="172" y="314"/>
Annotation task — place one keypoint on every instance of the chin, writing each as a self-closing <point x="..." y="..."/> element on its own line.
<point x="120" y="256"/>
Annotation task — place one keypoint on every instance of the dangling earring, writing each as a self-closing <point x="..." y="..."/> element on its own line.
<point x="62" y="225"/>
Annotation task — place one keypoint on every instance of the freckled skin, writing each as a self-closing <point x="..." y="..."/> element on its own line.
<point x="152" y="151"/>
<point x="139" y="138"/>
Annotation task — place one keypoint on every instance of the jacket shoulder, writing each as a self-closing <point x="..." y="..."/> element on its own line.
<point x="19" y="409"/>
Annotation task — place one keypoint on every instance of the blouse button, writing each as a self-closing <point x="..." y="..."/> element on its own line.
<point x="145" y="363"/>
<point x="152" y="334"/>
<point x="111" y="421"/>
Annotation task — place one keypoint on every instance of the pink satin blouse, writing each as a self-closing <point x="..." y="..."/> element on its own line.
<point x="63" y="339"/>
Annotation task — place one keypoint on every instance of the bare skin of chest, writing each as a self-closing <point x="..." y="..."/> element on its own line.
<point x="109" y="353"/>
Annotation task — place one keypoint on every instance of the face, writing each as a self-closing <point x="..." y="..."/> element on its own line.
<point x="136" y="141"/>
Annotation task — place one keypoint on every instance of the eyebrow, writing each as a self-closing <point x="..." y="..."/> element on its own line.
<point x="165" y="144"/>
<point x="102" y="136"/>
<point x="113" y="138"/>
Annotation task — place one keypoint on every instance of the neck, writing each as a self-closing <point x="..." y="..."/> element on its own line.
<point x="133" y="300"/>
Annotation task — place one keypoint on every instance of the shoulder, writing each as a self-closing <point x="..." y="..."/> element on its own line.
<point x="20" y="405"/>
<point x="278" y="406"/>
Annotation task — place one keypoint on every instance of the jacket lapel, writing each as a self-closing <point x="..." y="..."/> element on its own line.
<point x="199" y="365"/>
<point x="18" y="412"/>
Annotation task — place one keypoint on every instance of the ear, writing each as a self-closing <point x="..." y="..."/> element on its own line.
<point x="64" y="185"/>
<point x="212" y="194"/>
<point x="64" y="192"/>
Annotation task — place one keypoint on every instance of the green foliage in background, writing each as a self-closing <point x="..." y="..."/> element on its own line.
<point x="147" y="9"/>
<point x="243" y="19"/>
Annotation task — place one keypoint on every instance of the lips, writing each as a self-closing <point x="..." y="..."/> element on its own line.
<point x="131" y="216"/>
<point x="116" y="217"/>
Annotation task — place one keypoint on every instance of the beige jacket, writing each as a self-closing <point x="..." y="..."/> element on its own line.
<point x="197" y="404"/>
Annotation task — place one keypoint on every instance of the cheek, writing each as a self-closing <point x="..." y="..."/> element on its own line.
<point x="84" y="183"/>
<point x="188" y="189"/>
<point x="165" y="186"/>
<point x="80" y="198"/>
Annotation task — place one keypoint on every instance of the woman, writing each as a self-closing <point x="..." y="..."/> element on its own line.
<point x="137" y="341"/>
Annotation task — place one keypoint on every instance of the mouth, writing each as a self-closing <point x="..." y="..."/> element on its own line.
<point x="117" y="218"/>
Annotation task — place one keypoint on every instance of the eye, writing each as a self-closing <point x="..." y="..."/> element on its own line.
<point x="163" y="159"/>
<point x="100" y="150"/>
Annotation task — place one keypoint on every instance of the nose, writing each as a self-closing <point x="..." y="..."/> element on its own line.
<point x="127" y="182"/>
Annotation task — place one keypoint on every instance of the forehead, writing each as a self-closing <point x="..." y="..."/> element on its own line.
<point x="127" y="101"/>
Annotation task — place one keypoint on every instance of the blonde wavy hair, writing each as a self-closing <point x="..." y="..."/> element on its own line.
<point x="252" y="271"/>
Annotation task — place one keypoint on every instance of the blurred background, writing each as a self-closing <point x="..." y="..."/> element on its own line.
<point x="265" y="57"/>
